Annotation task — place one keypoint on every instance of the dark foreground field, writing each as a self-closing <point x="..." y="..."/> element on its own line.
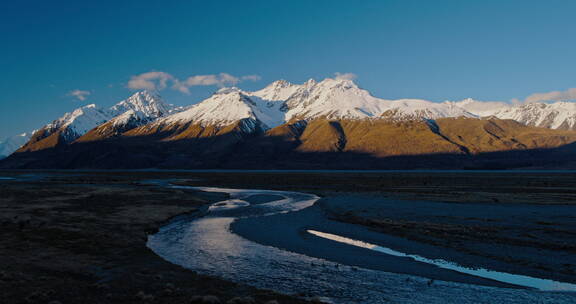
<point x="81" y="236"/>
<point x="82" y="239"/>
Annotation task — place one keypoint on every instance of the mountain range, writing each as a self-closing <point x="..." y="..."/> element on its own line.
<point x="328" y="124"/>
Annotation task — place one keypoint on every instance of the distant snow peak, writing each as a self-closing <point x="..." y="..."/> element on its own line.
<point x="410" y="109"/>
<point x="558" y="115"/>
<point x="480" y="108"/>
<point x="13" y="143"/>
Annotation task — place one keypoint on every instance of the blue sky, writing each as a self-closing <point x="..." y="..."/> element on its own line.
<point x="436" y="50"/>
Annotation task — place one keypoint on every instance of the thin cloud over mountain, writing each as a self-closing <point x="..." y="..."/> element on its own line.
<point x="79" y="94"/>
<point x="569" y="94"/>
<point x="158" y="81"/>
<point x="345" y="76"/>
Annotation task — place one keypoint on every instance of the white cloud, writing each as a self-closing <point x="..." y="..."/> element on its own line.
<point x="227" y="79"/>
<point x="79" y="94"/>
<point x="154" y="81"/>
<point x="201" y="80"/>
<point x="181" y="87"/>
<point x="251" y="77"/>
<point x="221" y="79"/>
<point x="158" y="81"/>
<point x="569" y="94"/>
<point x="345" y="76"/>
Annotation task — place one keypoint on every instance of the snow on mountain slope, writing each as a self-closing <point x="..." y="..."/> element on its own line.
<point x="141" y="107"/>
<point x="13" y="143"/>
<point x="130" y="118"/>
<point x="78" y="122"/>
<point x="227" y="106"/>
<point x="558" y="115"/>
<point x="145" y="103"/>
<point x="281" y="102"/>
<point x="333" y="98"/>
<point x="479" y="108"/>
<point x="407" y="109"/>
<point x="343" y="99"/>
<point x="279" y="90"/>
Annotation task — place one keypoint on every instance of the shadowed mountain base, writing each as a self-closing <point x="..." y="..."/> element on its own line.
<point x="451" y="143"/>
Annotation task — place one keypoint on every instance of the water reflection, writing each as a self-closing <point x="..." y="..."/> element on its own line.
<point x="521" y="280"/>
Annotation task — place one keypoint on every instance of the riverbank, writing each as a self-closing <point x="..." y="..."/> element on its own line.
<point x="530" y="239"/>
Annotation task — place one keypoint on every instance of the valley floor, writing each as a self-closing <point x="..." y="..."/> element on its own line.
<point x="81" y="236"/>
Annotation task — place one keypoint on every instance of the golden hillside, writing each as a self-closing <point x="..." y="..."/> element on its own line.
<point x="40" y="141"/>
<point x="383" y="138"/>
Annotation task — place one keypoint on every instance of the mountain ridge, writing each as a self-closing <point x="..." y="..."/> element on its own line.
<point x="141" y="106"/>
<point x="330" y="116"/>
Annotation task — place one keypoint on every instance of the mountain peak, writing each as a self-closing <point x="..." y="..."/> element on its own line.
<point x="332" y="98"/>
<point x="145" y="102"/>
<point x="278" y="90"/>
<point x="228" y="106"/>
<point x="71" y="117"/>
<point x="310" y="82"/>
<point x="467" y="101"/>
<point x="281" y="83"/>
<point x="229" y="90"/>
<point x="344" y="84"/>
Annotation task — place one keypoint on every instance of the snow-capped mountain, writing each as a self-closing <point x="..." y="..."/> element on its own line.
<point x="282" y="102"/>
<point x="333" y="99"/>
<point x="279" y="103"/>
<point x="558" y="115"/>
<point x="143" y="104"/>
<point x="343" y="99"/>
<point x="138" y="110"/>
<point x="228" y="106"/>
<point x="288" y="125"/>
<point x="411" y="109"/>
<point x="480" y="108"/>
<point x="279" y="90"/>
<point x="141" y="108"/>
<point x="74" y="124"/>
<point x="13" y="143"/>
